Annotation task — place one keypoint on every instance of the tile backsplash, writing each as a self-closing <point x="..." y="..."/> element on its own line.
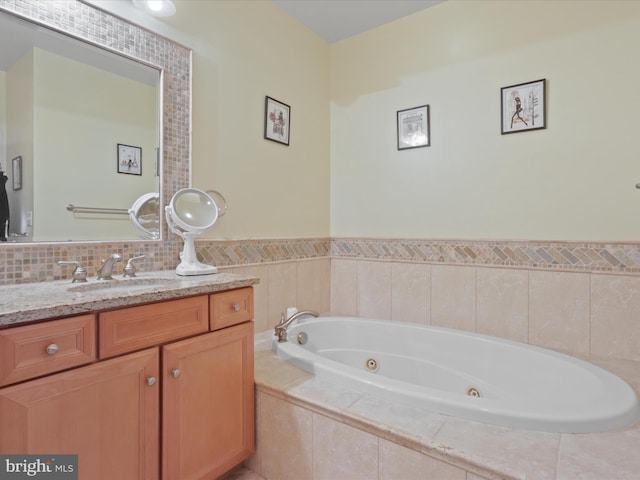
<point x="589" y="306"/>
<point x="586" y="310"/>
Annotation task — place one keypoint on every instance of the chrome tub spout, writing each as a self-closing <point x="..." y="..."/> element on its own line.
<point x="281" y="328"/>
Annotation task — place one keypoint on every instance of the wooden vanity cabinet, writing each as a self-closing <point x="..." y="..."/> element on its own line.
<point x="105" y="412"/>
<point x="208" y="406"/>
<point x="177" y="408"/>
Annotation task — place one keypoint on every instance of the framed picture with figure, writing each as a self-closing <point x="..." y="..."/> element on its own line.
<point x="277" y="121"/>
<point x="129" y="159"/>
<point x="523" y="107"/>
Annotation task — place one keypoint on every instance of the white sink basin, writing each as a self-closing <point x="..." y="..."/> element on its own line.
<point x="128" y="285"/>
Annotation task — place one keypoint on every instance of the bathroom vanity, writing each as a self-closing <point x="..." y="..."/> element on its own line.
<point x="142" y="379"/>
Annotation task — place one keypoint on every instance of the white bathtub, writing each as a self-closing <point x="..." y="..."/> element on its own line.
<point x="520" y="385"/>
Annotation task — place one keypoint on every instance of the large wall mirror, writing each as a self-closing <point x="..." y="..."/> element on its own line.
<point x="94" y="115"/>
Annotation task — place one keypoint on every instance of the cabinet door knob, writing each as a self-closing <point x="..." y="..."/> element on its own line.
<point x="151" y="381"/>
<point x="52" y="349"/>
<point x="236" y="307"/>
<point x="176" y="373"/>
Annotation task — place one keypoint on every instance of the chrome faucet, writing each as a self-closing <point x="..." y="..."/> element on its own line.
<point x="105" y="270"/>
<point x="281" y="328"/>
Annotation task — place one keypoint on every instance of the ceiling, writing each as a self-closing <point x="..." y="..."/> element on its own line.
<point x="335" y="20"/>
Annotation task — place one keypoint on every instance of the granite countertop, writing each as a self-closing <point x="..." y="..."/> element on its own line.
<point x="38" y="301"/>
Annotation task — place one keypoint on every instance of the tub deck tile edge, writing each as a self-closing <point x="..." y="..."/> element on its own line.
<point x="538" y="455"/>
<point x="300" y="392"/>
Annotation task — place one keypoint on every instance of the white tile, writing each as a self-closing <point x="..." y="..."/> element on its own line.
<point x="344" y="287"/>
<point x="520" y="453"/>
<point x="559" y="310"/>
<point x="374" y="289"/>
<point x="400" y="463"/>
<point x="453" y="297"/>
<point x="285" y="436"/>
<point x="502" y="303"/>
<point x="599" y="456"/>
<point x="341" y="452"/>
<point x="615" y="309"/>
<point x="410" y="292"/>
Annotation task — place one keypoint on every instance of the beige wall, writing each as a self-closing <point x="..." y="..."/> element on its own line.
<point x="243" y="51"/>
<point x="66" y="128"/>
<point x="20" y="139"/>
<point x="573" y="181"/>
<point x="71" y="120"/>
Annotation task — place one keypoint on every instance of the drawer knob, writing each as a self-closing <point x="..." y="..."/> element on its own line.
<point x="236" y="307"/>
<point x="52" y="349"/>
<point x="176" y="373"/>
<point x="151" y="381"/>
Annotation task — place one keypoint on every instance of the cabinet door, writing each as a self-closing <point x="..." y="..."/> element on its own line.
<point x="106" y="413"/>
<point x="208" y="410"/>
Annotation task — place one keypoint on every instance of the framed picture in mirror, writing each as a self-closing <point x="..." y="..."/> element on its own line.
<point x="16" y="172"/>
<point x="129" y="159"/>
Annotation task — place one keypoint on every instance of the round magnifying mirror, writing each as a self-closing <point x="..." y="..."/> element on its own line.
<point x="189" y="214"/>
<point x="145" y="215"/>
<point x="195" y="210"/>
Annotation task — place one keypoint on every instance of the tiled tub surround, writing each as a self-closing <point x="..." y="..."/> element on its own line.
<point x="578" y="312"/>
<point x="310" y="429"/>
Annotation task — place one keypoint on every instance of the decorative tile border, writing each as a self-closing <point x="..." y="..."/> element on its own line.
<point x="610" y="257"/>
<point x="36" y="263"/>
<point x="242" y="252"/>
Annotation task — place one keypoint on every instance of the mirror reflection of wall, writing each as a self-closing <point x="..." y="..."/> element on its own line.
<point x="65" y="115"/>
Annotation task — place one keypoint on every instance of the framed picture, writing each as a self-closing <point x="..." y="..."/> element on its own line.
<point x="277" y="120"/>
<point x="413" y="128"/>
<point x="16" y="172"/>
<point x="523" y="107"/>
<point x="129" y="159"/>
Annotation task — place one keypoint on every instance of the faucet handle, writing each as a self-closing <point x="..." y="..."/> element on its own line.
<point x="79" y="273"/>
<point x="130" y="268"/>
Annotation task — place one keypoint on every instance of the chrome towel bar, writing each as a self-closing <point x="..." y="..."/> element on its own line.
<point x="103" y="211"/>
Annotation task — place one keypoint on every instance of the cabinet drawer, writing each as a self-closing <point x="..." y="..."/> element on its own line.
<point x="134" y="328"/>
<point x="231" y="307"/>
<point x="34" y="350"/>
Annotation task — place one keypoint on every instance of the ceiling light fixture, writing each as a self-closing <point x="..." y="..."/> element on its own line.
<point x="157" y="8"/>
